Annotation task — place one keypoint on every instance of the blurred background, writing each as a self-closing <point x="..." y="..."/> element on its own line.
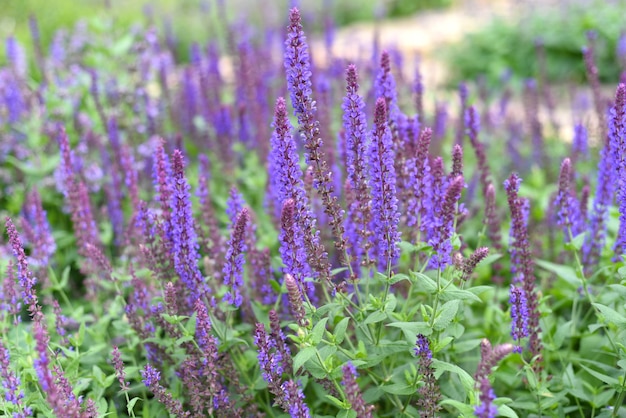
<point x="454" y="39"/>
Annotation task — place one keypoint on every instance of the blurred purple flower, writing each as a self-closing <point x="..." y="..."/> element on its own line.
<point x="183" y="233"/>
<point x="385" y="215"/>
<point x="233" y="268"/>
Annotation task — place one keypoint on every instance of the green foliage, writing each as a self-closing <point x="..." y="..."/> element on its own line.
<point x="509" y="44"/>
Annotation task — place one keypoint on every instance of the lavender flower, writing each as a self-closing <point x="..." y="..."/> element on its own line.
<point x="595" y="239"/>
<point x="385" y="87"/>
<point x="461" y="124"/>
<point x="270" y="361"/>
<point x="295" y="301"/>
<point x="209" y="362"/>
<point x="151" y="377"/>
<point x="385" y="216"/>
<point x="12" y="385"/>
<point x="353" y="393"/>
<point x="118" y="364"/>
<point x="24" y="275"/>
<point x="457" y="161"/>
<point x="297" y="66"/>
<point x="277" y="335"/>
<point x="429" y="392"/>
<point x="355" y="127"/>
<point x="291" y="246"/>
<point x="490" y="357"/>
<point x="182" y="232"/>
<point x="37" y="230"/>
<point x="294" y="398"/>
<point x="486" y="408"/>
<point x="492" y="220"/>
<point x="290" y="185"/>
<point x="470" y="264"/>
<point x="233" y="268"/>
<point x="441" y="241"/>
<point x="440" y="123"/>
<point x="234" y="204"/>
<point x="617" y="142"/>
<point x="435" y="184"/>
<point x="580" y="146"/>
<point x="519" y="316"/>
<point x="11" y="304"/>
<point x="524" y="267"/>
<point x="569" y="216"/>
<point x="162" y="175"/>
<point x="418" y="167"/>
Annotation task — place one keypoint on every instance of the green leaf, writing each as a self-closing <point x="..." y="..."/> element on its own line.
<point x="398" y="278"/>
<point x="464" y="409"/>
<point x="302" y="357"/>
<point x="340" y="330"/>
<point x="600" y="376"/>
<point x="375" y="317"/>
<point x="611" y="315"/>
<point x="426" y="283"/>
<point x="577" y="243"/>
<point x="466" y="379"/>
<point x="318" y="331"/>
<point x="131" y="405"/>
<point x="506" y="411"/>
<point x="184" y="339"/>
<point x="399" y="389"/>
<point x="446" y="315"/>
<point x="451" y="294"/>
<point x="566" y="273"/>
<point x="490" y="259"/>
<point x="413" y="328"/>
<point x="338" y="403"/>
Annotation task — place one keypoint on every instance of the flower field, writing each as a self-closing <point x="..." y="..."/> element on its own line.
<point x="271" y="231"/>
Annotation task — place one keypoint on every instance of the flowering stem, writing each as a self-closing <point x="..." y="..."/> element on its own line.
<point x="408" y="402"/>
<point x="436" y="302"/>
<point x="620" y="398"/>
<point x="581" y="273"/>
<point x="385" y="294"/>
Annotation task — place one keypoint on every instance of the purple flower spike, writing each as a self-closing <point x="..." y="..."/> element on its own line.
<point x="355" y="126"/>
<point x="297" y="66"/>
<point x="617" y="142"/>
<point x="295" y="301"/>
<point x="486" y="409"/>
<point x="429" y="392"/>
<point x="292" y="246"/>
<point x="270" y="359"/>
<point x="11" y="384"/>
<point x="519" y="316"/>
<point x="441" y="241"/>
<point x="24" y="275"/>
<point x="385" y="87"/>
<point x="353" y="393"/>
<point x="119" y="369"/>
<point x="295" y="399"/>
<point x="182" y="232"/>
<point x="289" y="184"/>
<point x="521" y="260"/>
<point x="418" y="167"/>
<point x="234" y="204"/>
<point x="470" y="264"/>
<point x="385" y="216"/>
<point x="569" y="216"/>
<point x="151" y="378"/>
<point x="580" y="145"/>
<point x="37" y="230"/>
<point x="233" y="269"/>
